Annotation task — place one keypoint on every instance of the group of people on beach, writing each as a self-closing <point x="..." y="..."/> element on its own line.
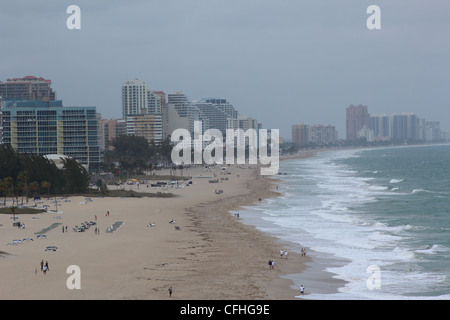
<point x="44" y="267"/>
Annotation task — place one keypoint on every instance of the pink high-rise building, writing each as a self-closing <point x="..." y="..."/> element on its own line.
<point x="357" y="118"/>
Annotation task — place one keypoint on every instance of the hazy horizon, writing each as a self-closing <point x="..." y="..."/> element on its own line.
<point x="280" y="62"/>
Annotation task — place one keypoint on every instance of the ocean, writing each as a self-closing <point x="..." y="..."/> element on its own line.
<point x="378" y="219"/>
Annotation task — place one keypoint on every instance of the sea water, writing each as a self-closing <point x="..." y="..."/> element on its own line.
<point x="385" y="209"/>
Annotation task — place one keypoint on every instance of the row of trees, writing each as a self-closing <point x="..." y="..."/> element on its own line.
<point x="27" y="175"/>
<point x="135" y="153"/>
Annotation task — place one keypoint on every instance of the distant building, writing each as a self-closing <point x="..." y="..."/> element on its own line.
<point x="356" y="118"/>
<point x="112" y="129"/>
<point x="163" y="111"/>
<point x="144" y="110"/>
<point x="134" y="97"/>
<point x="379" y="123"/>
<point x="148" y="126"/>
<point x="300" y="134"/>
<point x="432" y="131"/>
<point x="404" y="127"/>
<point x="225" y="106"/>
<point x="217" y="111"/>
<point x="46" y="127"/>
<point x="27" y="88"/>
<point x="366" y="134"/>
<point x="245" y="123"/>
<point x="182" y="114"/>
<point x="323" y="135"/>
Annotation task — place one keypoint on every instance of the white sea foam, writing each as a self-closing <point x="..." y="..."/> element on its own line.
<point x="434" y="249"/>
<point x="324" y="210"/>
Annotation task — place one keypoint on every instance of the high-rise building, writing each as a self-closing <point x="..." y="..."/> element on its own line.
<point x="323" y="135"/>
<point x="182" y="114"/>
<point x="134" y="97"/>
<point x="163" y="112"/>
<point x="300" y="134"/>
<point x="145" y="110"/>
<point x="379" y="123"/>
<point x="404" y="126"/>
<point x="225" y="106"/>
<point x="148" y="126"/>
<point x="113" y="128"/>
<point x="28" y="88"/>
<point x="245" y="123"/>
<point x="357" y="118"/>
<point x="217" y="111"/>
<point x="432" y="131"/>
<point x="46" y="127"/>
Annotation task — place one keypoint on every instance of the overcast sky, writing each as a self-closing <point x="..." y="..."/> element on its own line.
<point x="280" y="61"/>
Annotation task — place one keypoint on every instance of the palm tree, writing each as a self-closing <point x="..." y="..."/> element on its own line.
<point x="22" y="177"/>
<point x="3" y="190"/>
<point x="35" y="187"/>
<point x="46" y="185"/>
<point x="8" y="182"/>
<point x="13" y="211"/>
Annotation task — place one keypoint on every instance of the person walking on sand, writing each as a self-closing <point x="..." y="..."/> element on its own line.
<point x="285" y="254"/>
<point x="170" y="292"/>
<point x="302" y="289"/>
<point x="281" y="253"/>
<point x="42" y="265"/>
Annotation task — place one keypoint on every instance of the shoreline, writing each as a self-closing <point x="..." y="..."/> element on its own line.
<point x="212" y="255"/>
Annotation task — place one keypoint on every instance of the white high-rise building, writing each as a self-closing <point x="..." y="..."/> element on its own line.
<point x="143" y="110"/>
<point x="134" y="97"/>
<point x="182" y="114"/>
<point x="137" y="98"/>
<point x="217" y="111"/>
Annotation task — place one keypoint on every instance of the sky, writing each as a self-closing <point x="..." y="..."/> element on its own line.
<point x="282" y="62"/>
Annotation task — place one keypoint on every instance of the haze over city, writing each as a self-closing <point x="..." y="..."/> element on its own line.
<point x="281" y="62"/>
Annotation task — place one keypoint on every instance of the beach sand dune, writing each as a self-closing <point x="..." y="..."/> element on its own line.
<point x="207" y="253"/>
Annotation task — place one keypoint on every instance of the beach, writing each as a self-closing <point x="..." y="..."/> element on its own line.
<point x="205" y="254"/>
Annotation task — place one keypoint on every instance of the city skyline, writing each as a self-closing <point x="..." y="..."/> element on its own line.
<point x="275" y="61"/>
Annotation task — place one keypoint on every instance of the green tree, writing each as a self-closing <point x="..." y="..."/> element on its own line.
<point x="22" y="183"/>
<point x="13" y="211"/>
<point x="4" y="190"/>
<point x="46" y="185"/>
<point x="10" y="164"/>
<point x="34" y="186"/>
<point x="132" y="152"/>
<point x="8" y="183"/>
<point x="76" y="177"/>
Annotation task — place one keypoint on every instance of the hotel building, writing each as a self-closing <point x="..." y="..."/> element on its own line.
<point x="46" y="127"/>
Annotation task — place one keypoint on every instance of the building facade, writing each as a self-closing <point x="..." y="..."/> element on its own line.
<point x="182" y="114"/>
<point x="217" y="111"/>
<point x="28" y="88"/>
<point x="357" y="118"/>
<point x="300" y="134"/>
<point x="404" y="127"/>
<point x="379" y="123"/>
<point x="46" y="127"/>
<point x="147" y="125"/>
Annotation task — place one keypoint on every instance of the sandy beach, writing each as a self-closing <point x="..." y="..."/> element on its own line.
<point x="207" y="253"/>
